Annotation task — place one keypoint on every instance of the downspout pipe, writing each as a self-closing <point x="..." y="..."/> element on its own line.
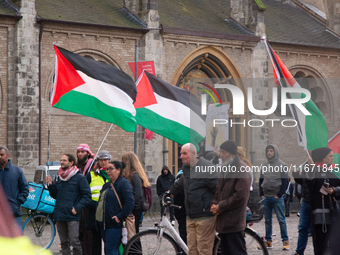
<point x="40" y="121"/>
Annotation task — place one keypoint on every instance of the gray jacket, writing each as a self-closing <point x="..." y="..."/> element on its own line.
<point x="274" y="176"/>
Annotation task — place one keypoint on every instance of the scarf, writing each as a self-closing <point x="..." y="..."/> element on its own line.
<point x="87" y="165"/>
<point x="66" y="175"/>
<point x="103" y="172"/>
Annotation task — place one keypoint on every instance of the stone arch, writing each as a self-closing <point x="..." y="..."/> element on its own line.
<point x="215" y="64"/>
<point x="321" y="94"/>
<point x="99" y="56"/>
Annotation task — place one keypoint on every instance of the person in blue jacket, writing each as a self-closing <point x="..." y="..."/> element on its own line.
<point x="113" y="210"/>
<point x="14" y="184"/>
<point x="72" y="193"/>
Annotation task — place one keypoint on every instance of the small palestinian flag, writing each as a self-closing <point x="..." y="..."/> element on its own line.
<point x="94" y="89"/>
<point x="169" y="111"/>
<point x="312" y="129"/>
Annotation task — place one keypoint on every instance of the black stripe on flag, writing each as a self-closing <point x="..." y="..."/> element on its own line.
<point x="292" y="107"/>
<point x="101" y="71"/>
<point x="174" y="93"/>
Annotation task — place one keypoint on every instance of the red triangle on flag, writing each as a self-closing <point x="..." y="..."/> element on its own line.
<point x="145" y="94"/>
<point x="66" y="77"/>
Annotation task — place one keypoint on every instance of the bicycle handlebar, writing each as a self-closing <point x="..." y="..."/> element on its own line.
<point x="169" y="203"/>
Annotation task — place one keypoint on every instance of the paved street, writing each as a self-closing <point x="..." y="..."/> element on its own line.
<point x="292" y="223"/>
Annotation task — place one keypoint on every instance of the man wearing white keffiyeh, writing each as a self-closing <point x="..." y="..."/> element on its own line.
<point x="72" y="194"/>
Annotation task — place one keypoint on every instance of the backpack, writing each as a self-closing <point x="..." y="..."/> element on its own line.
<point x="146" y="199"/>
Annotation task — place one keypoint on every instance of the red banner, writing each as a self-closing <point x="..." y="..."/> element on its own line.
<point x="148" y="66"/>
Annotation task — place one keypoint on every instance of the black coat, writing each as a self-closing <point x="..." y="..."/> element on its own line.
<point x="164" y="183"/>
<point x="68" y="194"/>
<point x="111" y="204"/>
<point x="300" y="178"/>
<point x="198" y="192"/>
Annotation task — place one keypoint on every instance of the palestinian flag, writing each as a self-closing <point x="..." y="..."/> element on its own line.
<point x="312" y="129"/>
<point x="94" y="89"/>
<point x="168" y="110"/>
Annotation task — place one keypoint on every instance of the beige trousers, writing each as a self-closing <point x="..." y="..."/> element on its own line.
<point x="201" y="236"/>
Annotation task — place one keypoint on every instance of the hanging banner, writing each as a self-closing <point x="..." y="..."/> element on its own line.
<point x="148" y="66"/>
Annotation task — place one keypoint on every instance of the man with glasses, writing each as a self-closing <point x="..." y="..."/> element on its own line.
<point x="72" y="194"/>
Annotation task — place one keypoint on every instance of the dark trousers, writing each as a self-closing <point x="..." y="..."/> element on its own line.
<point x="85" y="235"/>
<point x="96" y="242"/>
<point x="172" y="213"/>
<point x="182" y="229"/>
<point x="287" y="205"/>
<point x="112" y="239"/>
<point x="138" y="214"/>
<point x="69" y="236"/>
<point x="233" y="244"/>
<point x="320" y="239"/>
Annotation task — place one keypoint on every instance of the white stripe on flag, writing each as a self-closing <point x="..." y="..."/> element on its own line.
<point x="179" y="113"/>
<point x="107" y="93"/>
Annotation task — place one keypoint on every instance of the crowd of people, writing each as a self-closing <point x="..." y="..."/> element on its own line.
<point x="95" y="195"/>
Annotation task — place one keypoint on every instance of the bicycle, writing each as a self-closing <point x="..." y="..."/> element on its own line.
<point x="40" y="228"/>
<point x="158" y="241"/>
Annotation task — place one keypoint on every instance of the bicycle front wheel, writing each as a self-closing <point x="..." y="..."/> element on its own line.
<point x="254" y="243"/>
<point x="40" y="234"/>
<point x="150" y="242"/>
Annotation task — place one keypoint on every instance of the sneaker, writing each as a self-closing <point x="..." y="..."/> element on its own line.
<point x="173" y="223"/>
<point x="268" y="244"/>
<point x="298" y="214"/>
<point x="285" y="245"/>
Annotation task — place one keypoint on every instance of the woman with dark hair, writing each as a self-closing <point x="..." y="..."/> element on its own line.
<point x="324" y="188"/>
<point x="115" y="204"/>
<point x="134" y="173"/>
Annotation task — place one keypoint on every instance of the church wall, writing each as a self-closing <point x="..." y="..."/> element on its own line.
<point x="324" y="62"/>
<point x="68" y="130"/>
<point x="3" y="84"/>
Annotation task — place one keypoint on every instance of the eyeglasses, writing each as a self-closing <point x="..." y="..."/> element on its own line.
<point x="110" y="169"/>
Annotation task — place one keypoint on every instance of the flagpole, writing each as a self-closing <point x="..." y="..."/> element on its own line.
<point x="50" y="110"/>
<point x="90" y="166"/>
<point x="299" y="131"/>
<point x="135" y="135"/>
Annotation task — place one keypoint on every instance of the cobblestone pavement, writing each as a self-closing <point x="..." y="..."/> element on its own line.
<point x="292" y="224"/>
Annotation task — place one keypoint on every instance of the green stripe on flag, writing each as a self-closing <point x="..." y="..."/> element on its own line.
<point x="90" y="106"/>
<point x="315" y="126"/>
<point x="336" y="161"/>
<point x="167" y="128"/>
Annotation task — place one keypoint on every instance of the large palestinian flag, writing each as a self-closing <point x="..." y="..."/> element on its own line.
<point x="312" y="129"/>
<point x="168" y="110"/>
<point x="94" y="89"/>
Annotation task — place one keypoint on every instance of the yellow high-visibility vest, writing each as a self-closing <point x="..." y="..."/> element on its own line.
<point x="96" y="185"/>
